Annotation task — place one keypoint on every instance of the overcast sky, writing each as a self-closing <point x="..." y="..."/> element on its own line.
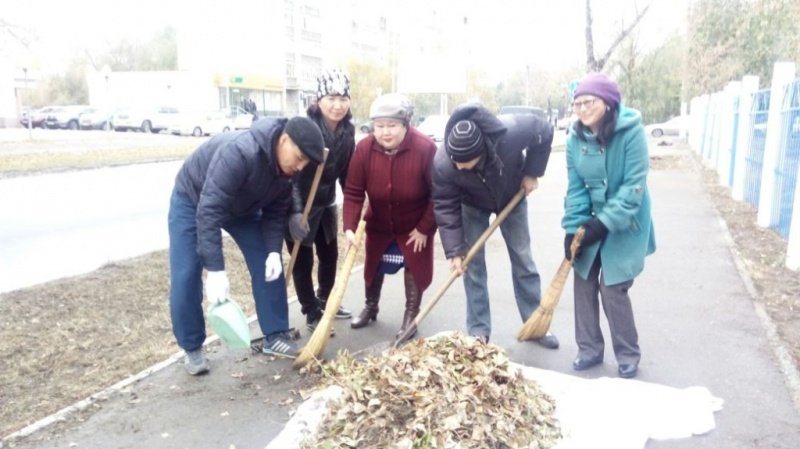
<point x="547" y="32"/>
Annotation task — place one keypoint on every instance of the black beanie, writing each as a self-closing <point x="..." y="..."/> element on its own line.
<point x="307" y="136"/>
<point x="465" y="141"/>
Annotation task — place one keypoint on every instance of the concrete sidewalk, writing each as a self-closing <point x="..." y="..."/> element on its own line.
<point x="697" y="324"/>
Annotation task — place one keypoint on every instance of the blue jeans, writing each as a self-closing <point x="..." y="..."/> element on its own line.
<point x="524" y="275"/>
<point x="186" y="275"/>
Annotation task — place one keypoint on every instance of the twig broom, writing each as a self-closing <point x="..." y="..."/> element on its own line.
<point x="306" y="211"/>
<point x="319" y="339"/>
<point x="537" y="324"/>
<point x="453" y="275"/>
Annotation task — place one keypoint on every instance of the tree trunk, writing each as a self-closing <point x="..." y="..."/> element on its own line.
<point x="592" y="63"/>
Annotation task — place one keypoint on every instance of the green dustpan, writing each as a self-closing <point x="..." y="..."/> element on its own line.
<point x="228" y="321"/>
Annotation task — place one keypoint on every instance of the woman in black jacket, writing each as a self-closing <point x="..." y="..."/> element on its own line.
<point x="332" y="115"/>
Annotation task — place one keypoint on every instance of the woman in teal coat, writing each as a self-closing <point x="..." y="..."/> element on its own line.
<point x="607" y="163"/>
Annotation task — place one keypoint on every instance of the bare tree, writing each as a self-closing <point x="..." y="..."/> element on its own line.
<point x="16" y="33"/>
<point x="592" y="63"/>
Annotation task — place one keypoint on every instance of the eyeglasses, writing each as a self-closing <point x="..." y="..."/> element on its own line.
<point x="588" y="103"/>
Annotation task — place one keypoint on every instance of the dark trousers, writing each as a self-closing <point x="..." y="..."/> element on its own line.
<point x="327" y="252"/>
<point x="618" y="310"/>
<point x="186" y="275"/>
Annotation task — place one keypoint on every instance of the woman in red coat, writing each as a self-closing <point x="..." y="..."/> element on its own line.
<point x="392" y="166"/>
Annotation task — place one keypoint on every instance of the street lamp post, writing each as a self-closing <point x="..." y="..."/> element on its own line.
<point x="527" y="85"/>
<point x="106" y="71"/>
<point x="30" y="110"/>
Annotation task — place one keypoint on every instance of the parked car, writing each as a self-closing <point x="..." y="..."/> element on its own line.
<point x="39" y="116"/>
<point x="433" y="127"/>
<point x="201" y="124"/>
<point x="97" y="119"/>
<point x="671" y="127"/>
<point x="240" y="118"/>
<point x="66" y="117"/>
<point x="146" y="120"/>
<point x="365" y="127"/>
<point x="518" y="109"/>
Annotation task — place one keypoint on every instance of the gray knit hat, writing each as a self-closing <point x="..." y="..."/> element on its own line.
<point x="465" y="141"/>
<point x="394" y="106"/>
<point x="307" y="136"/>
<point x="333" y="82"/>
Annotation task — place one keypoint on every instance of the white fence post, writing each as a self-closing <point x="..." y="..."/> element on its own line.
<point x="749" y="87"/>
<point x="782" y="74"/>
<point x="726" y="115"/>
<point x="697" y="130"/>
<point x="793" y="248"/>
<point x="712" y="131"/>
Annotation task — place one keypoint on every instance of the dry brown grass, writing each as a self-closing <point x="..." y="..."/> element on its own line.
<point x="27" y="163"/>
<point x="65" y="340"/>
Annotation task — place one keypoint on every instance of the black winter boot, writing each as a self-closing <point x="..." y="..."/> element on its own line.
<point x="370" y="312"/>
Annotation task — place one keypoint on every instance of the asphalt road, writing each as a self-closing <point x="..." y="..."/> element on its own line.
<point x="697" y="324"/>
<point x="65" y="224"/>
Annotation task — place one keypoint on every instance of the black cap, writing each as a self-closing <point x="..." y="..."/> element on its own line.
<point x="465" y="141"/>
<point x="307" y="136"/>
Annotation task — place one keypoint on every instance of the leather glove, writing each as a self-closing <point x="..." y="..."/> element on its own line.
<point x="595" y="232"/>
<point x="297" y="228"/>
<point x="273" y="267"/>
<point x="217" y="286"/>
<point x="567" y="244"/>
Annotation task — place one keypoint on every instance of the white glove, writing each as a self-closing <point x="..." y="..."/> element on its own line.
<point x="274" y="267"/>
<point x="217" y="286"/>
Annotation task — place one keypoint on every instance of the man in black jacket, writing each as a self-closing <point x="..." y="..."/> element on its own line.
<point x="483" y="162"/>
<point x="239" y="182"/>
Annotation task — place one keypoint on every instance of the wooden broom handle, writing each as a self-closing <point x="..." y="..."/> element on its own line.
<point x="306" y="211"/>
<point x="470" y="255"/>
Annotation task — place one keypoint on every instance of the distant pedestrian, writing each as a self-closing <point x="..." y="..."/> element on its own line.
<point x="484" y="161"/>
<point x="239" y="182"/>
<point x="392" y="168"/>
<point x="331" y="113"/>
<point x="607" y="163"/>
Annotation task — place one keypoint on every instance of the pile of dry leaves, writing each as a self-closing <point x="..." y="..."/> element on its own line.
<point x="444" y="392"/>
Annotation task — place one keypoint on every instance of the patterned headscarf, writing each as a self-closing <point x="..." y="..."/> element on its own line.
<point x="333" y="82"/>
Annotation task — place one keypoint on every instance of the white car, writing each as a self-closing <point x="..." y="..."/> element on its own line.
<point x="96" y="119"/>
<point x="671" y="127"/>
<point x="201" y="124"/>
<point x="146" y="120"/>
<point x="240" y="118"/>
<point x="66" y="117"/>
<point x="433" y="126"/>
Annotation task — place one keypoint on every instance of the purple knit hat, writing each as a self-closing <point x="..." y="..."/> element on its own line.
<point x="600" y="86"/>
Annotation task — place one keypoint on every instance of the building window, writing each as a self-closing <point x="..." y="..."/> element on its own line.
<point x="310" y="36"/>
<point x="310" y="11"/>
<point x="290" y="67"/>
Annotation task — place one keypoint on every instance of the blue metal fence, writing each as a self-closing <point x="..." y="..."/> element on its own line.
<point x="754" y="159"/>
<point x="788" y="159"/>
